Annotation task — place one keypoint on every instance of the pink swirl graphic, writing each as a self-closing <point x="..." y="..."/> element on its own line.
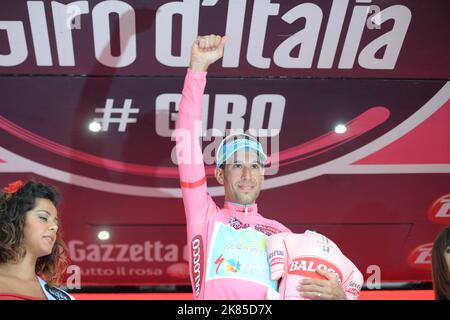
<point x="363" y="123"/>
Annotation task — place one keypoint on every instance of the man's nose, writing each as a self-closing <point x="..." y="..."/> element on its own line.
<point x="246" y="173"/>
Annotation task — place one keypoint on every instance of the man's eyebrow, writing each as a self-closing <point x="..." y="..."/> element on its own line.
<point x="241" y="161"/>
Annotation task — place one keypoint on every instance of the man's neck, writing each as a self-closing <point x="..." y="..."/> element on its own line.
<point x="240" y="207"/>
<point x="241" y="204"/>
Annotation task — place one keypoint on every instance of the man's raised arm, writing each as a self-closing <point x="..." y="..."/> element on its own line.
<point x="205" y="51"/>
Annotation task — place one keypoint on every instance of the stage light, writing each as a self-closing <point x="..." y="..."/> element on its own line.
<point x="103" y="235"/>
<point x="340" y="128"/>
<point x="94" y="126"/>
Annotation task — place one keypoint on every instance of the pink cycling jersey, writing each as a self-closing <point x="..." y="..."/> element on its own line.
<point x="228" y="256"/>
<point x="296" y="256"/>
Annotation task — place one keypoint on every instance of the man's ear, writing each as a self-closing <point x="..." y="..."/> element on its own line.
<point x="219" y="173"/>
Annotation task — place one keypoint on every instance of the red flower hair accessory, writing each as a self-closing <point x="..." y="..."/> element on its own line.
<point x="13" y="187"/>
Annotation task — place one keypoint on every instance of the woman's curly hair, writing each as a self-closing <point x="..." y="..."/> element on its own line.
<point x="13" y="209"/>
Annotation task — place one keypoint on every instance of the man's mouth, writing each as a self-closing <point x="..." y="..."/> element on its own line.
<point x="246" y="188"/>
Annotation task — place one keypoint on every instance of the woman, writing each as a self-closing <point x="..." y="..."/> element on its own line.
<point x="32" y="254"/>
<point x="440" y="261"/>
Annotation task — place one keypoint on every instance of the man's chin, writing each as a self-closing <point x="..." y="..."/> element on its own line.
<point x="247" y="199"/>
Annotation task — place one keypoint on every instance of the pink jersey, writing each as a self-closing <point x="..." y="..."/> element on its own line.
<point x="296" y="256"/>
<point x="228" y="256"/>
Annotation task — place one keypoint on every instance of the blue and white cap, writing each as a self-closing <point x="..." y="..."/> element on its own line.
<point x="235" y="142"/>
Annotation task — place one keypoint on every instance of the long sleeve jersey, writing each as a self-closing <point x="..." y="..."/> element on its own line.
<point x="228" y="256"/>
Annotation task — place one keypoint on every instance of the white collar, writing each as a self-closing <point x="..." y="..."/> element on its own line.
<point x="53" y="293"/>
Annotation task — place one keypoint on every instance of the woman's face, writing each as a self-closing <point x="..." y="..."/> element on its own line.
<point x="41" y="225"/>
<point x="447" y="257"/>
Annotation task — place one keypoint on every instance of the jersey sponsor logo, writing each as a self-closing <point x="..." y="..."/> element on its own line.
<point x="353" y="291"/>
<point x="355" y="285"/>
<point x="275" y="253"/>
<point x="230" y="265"/>
<point x="238" y="254"/>
<point x="197" y="258"/>
<point x="420" y="257"/>
<point x="439" y="211"/>
<point x="244" y="209"/>
<point x="307" y="267"/>
<point x="237" y="224"/>
<point x="56" y="293"/>
<point x="275" y="261"/>
<point x="325" y="242"/>
<point x="267" y="230"/>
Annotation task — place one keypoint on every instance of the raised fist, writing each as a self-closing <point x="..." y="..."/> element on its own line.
<point x="205" y="51"/>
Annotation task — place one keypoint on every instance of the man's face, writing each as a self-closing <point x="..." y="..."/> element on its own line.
<point x="242" y="177"/>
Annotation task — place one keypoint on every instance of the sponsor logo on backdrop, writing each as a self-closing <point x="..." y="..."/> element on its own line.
<point x="149" y="251"/>
<point x="340" y="25"/>
<point x="420" y="257"/>
<point x="148" y="259"/>
<point x="439" y="211"/>
<point x="178" y="270"/>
